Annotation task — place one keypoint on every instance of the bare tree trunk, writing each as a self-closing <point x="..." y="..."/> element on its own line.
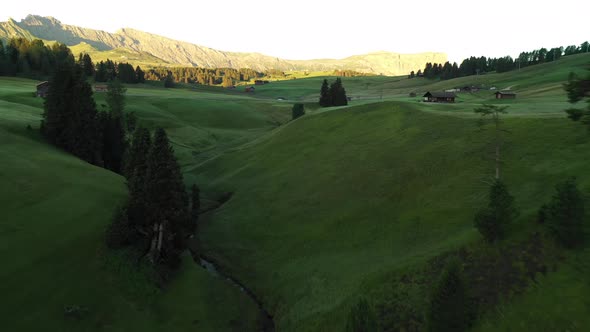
<point x="497" y="161"/>
<point x="154" y="243"/>
<point x="160" y="236"/>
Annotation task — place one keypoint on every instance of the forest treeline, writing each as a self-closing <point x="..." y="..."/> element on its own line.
<point x="35" y="59"/>
<point x="158" y="218"/>
<point x="481" y="65"/>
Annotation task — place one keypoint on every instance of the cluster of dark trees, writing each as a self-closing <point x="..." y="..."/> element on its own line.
<point x="349" y="73"/>
<point x="564" y="216"/>
<point x="333" y="94"/>
<point x="203" y="76"/>
<point x="159" y="217"/>
<point x="157" y="220"/>
<point x="481" y="65"/>
<point x="33" y="59"/>
<point x="72" y="122"/>
<point x="124" y="72"/>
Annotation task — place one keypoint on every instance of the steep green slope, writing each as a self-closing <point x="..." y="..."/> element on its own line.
<point x="55" y="209"/>
<point x="331" y="204"/>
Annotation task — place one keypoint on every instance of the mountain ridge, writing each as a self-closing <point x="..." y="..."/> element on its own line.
<point x="174" y="52"/>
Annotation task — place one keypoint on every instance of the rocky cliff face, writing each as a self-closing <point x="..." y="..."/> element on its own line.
<point x="187" y="54"/>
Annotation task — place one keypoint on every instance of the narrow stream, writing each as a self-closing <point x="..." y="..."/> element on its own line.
<point x="267" y="323"/>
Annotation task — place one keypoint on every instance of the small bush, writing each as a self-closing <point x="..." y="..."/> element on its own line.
<point x="361" y="318"/>
<point x="298" y="110"/>
<point x="448" y="303"/>
<point x="566" y="214"/>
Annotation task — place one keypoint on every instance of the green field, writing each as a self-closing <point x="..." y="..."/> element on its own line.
<point x="325" y="208"/>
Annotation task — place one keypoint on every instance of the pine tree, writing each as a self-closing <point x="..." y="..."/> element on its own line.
<point x="493" y="221"/>
<point x="361" y="318"/>
<point x="447" y="311"/>
<point x="86" y="63"/>
<point x="169" y="80"/>
<point x="338" y="93"/>
<point x="139" y="75"/>
<point x="114" y="141"/>
<point x="325" y="99"/>
<point x="70" y="120"/>
<point x="566" y="214"/>
<point x="297" y="111"/>
<point x="115" y="97"/>
<point x="101" y="72"/>
<point x="136" y="169"/>
<point x="167" y="211"/>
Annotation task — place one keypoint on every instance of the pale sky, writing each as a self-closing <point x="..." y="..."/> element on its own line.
<point x="307" y="29"/>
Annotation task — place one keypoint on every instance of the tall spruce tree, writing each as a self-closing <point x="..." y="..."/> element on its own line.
<point x="140" y="75"/>
<point x="86" y="63"/>
<point x="167" y="212"/>
<point x="70" y="120"/>
<point x="298" y="110"/>
<point x="578" y="88"/>
<point x="325" y="99"/>
<point x="566" y="214"/>
<point x="493" y="221"/>
<point x="447" y="311"/>
<point x="114" y="141"/>
<point x="338" y="93"/>
<point x="115" y="97"/>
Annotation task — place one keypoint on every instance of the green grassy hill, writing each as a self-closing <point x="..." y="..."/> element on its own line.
<point x="325" y="209"/>
<point x="328" y="207"/>
<point x="55" y="211"/>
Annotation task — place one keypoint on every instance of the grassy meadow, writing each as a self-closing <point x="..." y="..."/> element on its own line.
<point x="325" y="209"/>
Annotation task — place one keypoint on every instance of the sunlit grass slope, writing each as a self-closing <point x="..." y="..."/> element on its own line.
<point x="329" y="205"/>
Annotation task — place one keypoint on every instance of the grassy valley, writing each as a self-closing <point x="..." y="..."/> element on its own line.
<point x="330" y="207"/>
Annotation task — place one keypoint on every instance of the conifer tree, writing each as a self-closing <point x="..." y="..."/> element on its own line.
<point x="167" y="211"/>
<point x="115" y="97"/>
<point x="136" y="169"/>
<point x="325" y="99"/>
<point x="169" y="80"/>
<point x="70" y="120"/>
<point x="447" y="311"/>
<point x="338" y="93"/>
<point x="493" y="221"/>
<point x="114" y="141"/>
<point x="298" y="110"/>
<point x="86" y="63"/>
<point x="139" y="75"/>
<point x="566" y="214"/>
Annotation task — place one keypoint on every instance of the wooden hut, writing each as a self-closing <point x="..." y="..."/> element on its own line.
<point x="439" y="97"/>
<point x="42" y="89"/>
<point x="505" y="95"/>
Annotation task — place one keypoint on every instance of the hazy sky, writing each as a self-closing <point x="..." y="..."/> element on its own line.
<point x="306" y="29"/>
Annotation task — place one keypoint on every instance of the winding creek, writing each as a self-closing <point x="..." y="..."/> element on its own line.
<point x="267" y="323"/>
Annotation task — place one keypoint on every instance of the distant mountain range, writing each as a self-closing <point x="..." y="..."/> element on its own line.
<point x="141" y="47"/>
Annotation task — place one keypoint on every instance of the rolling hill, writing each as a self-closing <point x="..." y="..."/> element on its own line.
<point x="172" y="52"/>
<point x="325" y="209"/>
